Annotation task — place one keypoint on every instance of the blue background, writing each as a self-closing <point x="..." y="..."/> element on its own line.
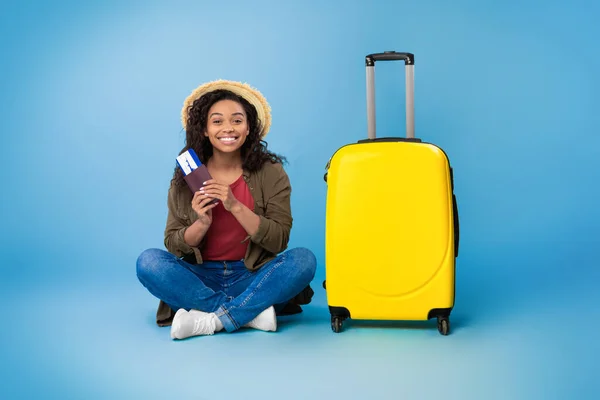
<point x="90" y="100"/>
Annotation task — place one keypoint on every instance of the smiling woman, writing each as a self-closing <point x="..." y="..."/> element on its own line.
<point x="227" y="125"/>
<point x="227" y="265"/>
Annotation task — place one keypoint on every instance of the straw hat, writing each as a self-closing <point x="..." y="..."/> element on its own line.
<point x="244" y="90"/>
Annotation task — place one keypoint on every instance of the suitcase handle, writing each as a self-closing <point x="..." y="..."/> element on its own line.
<point x="409" y="61"/>
<point x="408" y="58"/>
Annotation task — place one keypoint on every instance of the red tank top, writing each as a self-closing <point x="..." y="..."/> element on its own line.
<point x="223" y="240"/>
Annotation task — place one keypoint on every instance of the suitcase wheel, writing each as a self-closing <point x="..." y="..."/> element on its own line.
<point x="443" y="325"/>
<point x="336" y="324"/>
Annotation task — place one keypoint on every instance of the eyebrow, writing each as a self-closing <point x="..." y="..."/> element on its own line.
<point x="237" y="113"/>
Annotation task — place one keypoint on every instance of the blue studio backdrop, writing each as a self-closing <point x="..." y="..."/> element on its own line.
<point x="90" y="101"/>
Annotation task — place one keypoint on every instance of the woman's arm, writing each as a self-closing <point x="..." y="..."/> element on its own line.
<point x="180" y="238"/>
<point x="246" y="217"/>
<point x="175" y="228"/>
<point x="274" y="228"/>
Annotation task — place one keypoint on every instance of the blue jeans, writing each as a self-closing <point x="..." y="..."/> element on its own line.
<point x="227" y="288"/>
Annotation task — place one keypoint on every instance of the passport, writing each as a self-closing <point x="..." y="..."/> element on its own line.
<point x="194" y="172"/>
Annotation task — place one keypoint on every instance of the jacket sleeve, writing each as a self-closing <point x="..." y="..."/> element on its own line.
<point x="175" y="227"/>
<point x="275" y="224"/>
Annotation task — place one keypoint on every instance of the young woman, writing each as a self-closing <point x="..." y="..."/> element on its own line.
<point x="227" y="264"/>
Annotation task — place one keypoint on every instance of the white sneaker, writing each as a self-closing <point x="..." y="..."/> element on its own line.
<point x="197" y="323"/>
<point x="197" y="312"/>
<point x="265" y="321"/>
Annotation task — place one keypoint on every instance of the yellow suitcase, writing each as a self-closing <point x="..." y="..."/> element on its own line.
<point x="391" y="234"/>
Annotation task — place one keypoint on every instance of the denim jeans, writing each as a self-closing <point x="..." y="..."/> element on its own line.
<point x="227" y="288"/>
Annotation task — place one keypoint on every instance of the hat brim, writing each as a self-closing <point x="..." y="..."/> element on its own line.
<point x="244" y="90"/>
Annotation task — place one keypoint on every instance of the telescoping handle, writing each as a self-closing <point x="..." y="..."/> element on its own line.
<point x="409" y="61"/>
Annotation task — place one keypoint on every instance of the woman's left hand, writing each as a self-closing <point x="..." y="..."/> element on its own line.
<point x="218" y="190"/>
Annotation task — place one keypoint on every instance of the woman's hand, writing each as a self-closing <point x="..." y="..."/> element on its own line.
<point x="217" y="190"/>
<point x="202" y="208"/>
<point x="245" y="216"/>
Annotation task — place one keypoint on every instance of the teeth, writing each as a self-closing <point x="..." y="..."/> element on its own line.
<point x="227" y="139"/>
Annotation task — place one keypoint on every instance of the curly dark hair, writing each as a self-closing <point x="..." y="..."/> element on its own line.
<point x="254" y="150"/>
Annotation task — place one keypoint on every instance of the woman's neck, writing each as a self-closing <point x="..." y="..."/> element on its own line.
<point x="225" y="167"/>
<point x="226" y="161"/>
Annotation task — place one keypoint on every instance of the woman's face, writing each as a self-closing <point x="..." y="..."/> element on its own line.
<point x="227" y="126"/>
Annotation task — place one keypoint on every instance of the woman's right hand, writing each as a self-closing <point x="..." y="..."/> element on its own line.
<point x="202" y="208"/>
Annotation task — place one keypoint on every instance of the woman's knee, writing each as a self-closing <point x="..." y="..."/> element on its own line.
<point x="148" y="263"/>
<point x="305" y="261"/>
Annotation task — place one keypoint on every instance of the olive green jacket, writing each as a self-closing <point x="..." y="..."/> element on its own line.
<point x="271" y="190"/>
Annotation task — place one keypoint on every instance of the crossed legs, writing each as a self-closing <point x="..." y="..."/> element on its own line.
<point x="218" y="298"/>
